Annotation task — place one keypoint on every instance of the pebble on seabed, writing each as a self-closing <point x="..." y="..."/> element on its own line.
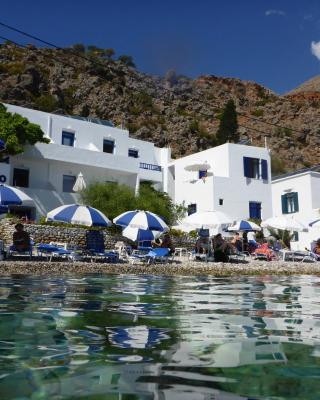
<point x="175" y="268"/>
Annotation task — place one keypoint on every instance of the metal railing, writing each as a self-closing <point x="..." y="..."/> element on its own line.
<point x="150" y="167"/>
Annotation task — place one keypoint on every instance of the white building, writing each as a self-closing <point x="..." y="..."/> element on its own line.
<point x="101" y="152"/>
<point x="298" y="194"/>
<point x="237" y="183"/>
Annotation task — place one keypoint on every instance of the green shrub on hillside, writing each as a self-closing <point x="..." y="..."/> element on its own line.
<point x="46" y="102"/>
<point x="258" y="112"/>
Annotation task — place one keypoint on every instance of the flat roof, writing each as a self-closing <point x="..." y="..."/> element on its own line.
<point x="315" y="168"/>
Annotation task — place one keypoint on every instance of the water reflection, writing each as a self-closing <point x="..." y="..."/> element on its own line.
<point x="152" y="337"/>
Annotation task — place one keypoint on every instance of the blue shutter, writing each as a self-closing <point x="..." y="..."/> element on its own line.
<point x="284" y="204"/>
<point x="264" y="169"/>
<point x="247" y="167"/>
<point x="295" y="201"/>
<point x="202" y="174"/>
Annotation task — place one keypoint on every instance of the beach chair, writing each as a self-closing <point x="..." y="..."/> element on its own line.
<point x="160" y="254"/>
<point x="52" y="250"/>
<point x="96" y="249"/>
<point x="14" y="251"/>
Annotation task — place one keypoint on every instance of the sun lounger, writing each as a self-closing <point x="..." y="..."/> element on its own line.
<point x="14" y="251"/>
<point x="160" y="254"/>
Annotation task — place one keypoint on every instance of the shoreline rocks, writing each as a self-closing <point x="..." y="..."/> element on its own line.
<point x="187" y="268"/>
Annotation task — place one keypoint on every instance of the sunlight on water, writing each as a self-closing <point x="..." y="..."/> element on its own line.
<point x="153" y="337"/>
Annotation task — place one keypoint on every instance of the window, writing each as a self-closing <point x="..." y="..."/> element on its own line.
<point x="290" y="203"/>
<point x="67" y="138"/>
<point x="220" y="202"/>
<point x="68" y="183"/>
<point x="108" y="146"/>
<point x="192" y="208"/>
<point x="295" y="237"/>
<point x="133" y="153"/>
<point x="203" y="174"/>
<point x="20" y="177"/>
<point x="254" y="210"/>
<point x="255" y="168"/>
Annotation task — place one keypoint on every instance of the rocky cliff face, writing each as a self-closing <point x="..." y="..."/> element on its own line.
<point x="174" y="110"/>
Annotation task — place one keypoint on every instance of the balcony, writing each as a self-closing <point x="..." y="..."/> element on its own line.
<point x="75" y="155"/>
<point x="151" y="167"/>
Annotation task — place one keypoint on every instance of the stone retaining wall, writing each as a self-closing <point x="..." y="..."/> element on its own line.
<point x="74" y="236"/>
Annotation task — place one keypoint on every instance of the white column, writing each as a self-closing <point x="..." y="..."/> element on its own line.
<point x="49" y="127"/>
<point x="137" y="185"/>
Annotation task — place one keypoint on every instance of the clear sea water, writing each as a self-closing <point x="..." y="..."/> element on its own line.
<point x="152" y="337"/>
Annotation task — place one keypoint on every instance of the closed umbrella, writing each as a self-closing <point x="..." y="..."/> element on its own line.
<point x="11" y="196"/>
<point x="284" y="223"/>
<point x="141" y="219"/>
<point x="80" y="183"/>
<point x="244" y="226"/>
<point x="78" y="215"/>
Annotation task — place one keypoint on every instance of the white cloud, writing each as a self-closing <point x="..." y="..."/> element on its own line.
<point x="275" y="12"/>
<point x="315" y="49"/>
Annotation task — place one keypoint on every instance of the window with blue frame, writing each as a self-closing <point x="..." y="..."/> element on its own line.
<point x="254" y="210"/>
<point x="203" y="174"/>
<point x="67" y="138"/>
<point x="68" y="183"/>
<point x="255" y="168"/>
<point x="108" y="146"/>
<point x="133" y="153"/>
<point x="290" y="203"/>
<point x="192" y="208"/>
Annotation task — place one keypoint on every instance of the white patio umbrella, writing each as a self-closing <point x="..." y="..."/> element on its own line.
<point x="207" y="220"/>
<point x="198" y="167"/>
<point x="286" y="223"/>
<point x="80" y="183"/>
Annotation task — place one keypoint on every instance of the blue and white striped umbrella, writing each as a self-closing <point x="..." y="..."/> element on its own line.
<point x="315" y="224"/>
<point x="244" y="225"/>
<point x="2" y="145"/>
<point x="142" y="220"/>
<point x="11" y="196"/>
<point x="78" y="215"/>
<point x="140" y="235"/>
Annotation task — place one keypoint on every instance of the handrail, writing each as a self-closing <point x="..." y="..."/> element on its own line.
<point x="151" y="167"/>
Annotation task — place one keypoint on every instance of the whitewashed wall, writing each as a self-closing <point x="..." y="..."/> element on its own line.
<point x="307" y="185"/>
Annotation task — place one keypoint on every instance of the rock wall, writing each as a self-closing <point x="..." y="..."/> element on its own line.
<point x="73" y="236"/>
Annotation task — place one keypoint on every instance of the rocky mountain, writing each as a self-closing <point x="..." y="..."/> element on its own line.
<point x="173" y="110"/>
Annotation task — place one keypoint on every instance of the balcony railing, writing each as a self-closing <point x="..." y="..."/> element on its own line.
<point x="150" y="167"/>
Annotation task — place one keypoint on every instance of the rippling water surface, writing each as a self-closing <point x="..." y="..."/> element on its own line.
<point x="153" y="337"/>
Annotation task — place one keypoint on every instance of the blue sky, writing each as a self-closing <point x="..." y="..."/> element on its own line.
<point x="269" y="42"/>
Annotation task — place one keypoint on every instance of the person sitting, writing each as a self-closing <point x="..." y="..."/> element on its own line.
<point x="316" y="249"/>
<point x="21" y="239"/>
<point x="167" y="243"/>
<point x="220" y="248"/>
<point x="202" y="245"/>
<point x="237" y="242"/>
<point x="252" y="242"/>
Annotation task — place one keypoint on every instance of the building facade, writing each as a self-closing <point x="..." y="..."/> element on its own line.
<point x="298" y="194"/>
<point x="101" y="152"/>
<point x="238" y="181"/>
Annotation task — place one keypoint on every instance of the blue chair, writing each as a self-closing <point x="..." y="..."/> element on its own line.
<point x="160" y="254"/>
<point x="51" y="250"/>
<point x="13" y="250"/>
